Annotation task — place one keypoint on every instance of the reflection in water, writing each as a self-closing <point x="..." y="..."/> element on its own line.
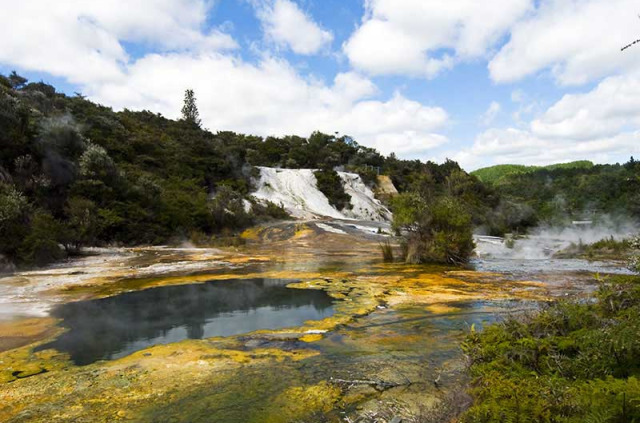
<point x="114" y="327"/>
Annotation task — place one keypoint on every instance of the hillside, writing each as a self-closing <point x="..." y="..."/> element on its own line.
<point x="74" y="173"/>
<point x="561" y="193"/>
<point x="494" y="174"/>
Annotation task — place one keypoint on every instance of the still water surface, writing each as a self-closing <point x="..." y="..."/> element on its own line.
<point x="114" y="327"/>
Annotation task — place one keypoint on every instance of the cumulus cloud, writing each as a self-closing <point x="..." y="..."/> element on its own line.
<point x="286" y="25"/>
<point x="82" y="40"/>
<point x="601" y="112"/>
<point x="271" y="98"/>
<point x="423" y="37"/>
<point x="578" y="41"/>
<point x="516" y="146"/>
<point x="599" y="125"/>
<point x="268" y="97"/>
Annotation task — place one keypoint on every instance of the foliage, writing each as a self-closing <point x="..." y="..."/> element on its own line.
<point x="41" y="244"/>
<point x="330" y="184"/>
<point x="14" y="209"/>
<point x="438" y="231"/>
<point x="573" y="191"/>
<point x="190" y="113"/>
<point x="571" y="362"/>
<point x="438" y="210"/>
<point x="604" y="249"/>
<point x="82" y="224"/>
<point x="387" y="251"/>
<point x="634" y="261"/>
<point x="494" y="174"/>
<point x="93" y="176"/>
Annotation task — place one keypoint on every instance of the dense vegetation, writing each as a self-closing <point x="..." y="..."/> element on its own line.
<point x="604" y="249"/>
<point x="561" y="193"/>
<point x="569" y="363"/>
<point x="74" y="173"/>
<point x="330" y="184"/>
<point x="494" y="174"/>
<point x="438" y="209"/>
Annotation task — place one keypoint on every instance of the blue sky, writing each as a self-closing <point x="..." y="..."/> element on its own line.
<point x="498" y="81"/>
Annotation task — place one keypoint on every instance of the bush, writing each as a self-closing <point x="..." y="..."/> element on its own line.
<point x="387" y="251"/>
<point x="440" y="232"/>
<point x="634" y="261"/>
<point x="14" y="209"/>
<point x="568" y="363"/>
<point x="331" y="185"/>
<point x="41" y="246"/>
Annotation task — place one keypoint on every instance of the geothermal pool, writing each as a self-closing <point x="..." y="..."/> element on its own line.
<point x="117" y="326"/>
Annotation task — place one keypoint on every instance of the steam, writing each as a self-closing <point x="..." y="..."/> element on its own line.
<point x="545" y="241"/>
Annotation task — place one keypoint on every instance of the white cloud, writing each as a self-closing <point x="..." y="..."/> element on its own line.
<point x="406" y="36"/>
<point x="601" y="125"/>
<point x="603" y="112"/>
<point x="515" y="146"/>
<point x="82" y="40"/>
<point x="271" y="98"/>
<point x="490" y="114"/>
<point x="286" y="25"/>
<point x="578" y="41"/>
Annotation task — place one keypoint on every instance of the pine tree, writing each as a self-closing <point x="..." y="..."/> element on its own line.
<point x="190" y="110"/>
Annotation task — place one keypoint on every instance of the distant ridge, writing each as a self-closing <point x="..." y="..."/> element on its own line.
<point x="493" y="174"/>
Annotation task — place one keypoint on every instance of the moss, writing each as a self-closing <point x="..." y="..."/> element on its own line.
<point x="298" y="402"/>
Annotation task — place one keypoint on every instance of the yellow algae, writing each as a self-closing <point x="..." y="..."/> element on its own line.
<point x="247" y="259"/>
<point x="303" y="231"/>
<point x="23" y="362"/>
<point x="473" y="274"/>
<point x="442" y="308"/>
<point x="19" y="332"/>
<point x="252" y="234"/>
<point x="98" y="392"/>
<point x="200" y="372"/>
<point x="298" y="402"/>
<point x="312" y="337"/>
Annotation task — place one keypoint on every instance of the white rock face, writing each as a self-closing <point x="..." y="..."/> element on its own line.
<point x="296" y="190"/>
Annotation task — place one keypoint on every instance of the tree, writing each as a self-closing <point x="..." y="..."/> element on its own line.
<point x="190" y="112"/>
<point x="17" y="81"/>
<point x="81" y="226"/>
<point x="14" y="211"/>
<point x="438" y="230"/>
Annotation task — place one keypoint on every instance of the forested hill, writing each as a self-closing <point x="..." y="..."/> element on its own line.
<point x="74" y="173"/>
<point x="558" y="193"/>
<point x="494" y="174"/>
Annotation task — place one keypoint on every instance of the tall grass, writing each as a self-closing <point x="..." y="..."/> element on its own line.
<point x="387" y="251"/>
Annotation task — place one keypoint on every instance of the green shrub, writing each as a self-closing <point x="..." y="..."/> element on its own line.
<point x="42" y="246"/>
<point x="330" y="184"/>
<point x="571" y="362"/>
<point x="436" y="232"/>
<point x="387" y="251"/>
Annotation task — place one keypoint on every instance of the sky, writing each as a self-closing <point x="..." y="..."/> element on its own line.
<point x="480" y="82"/>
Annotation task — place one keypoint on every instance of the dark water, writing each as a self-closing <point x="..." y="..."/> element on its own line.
<point x="114" y="327"/>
